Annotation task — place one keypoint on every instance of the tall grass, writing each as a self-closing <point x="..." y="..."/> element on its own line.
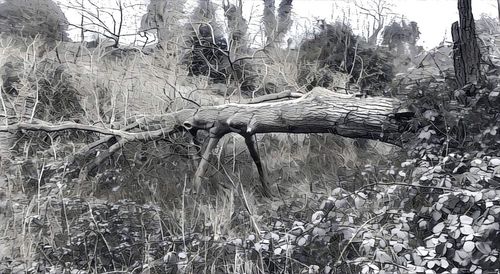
<point x="137" y="213"/>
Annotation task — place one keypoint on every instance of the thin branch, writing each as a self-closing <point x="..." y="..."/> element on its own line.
<point x="39" y="126"/>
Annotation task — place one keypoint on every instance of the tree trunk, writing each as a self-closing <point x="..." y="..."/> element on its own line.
<point x="466" y="55"/>
<point x="284" y="19"/>
<point x="372" y="40"/>
<point x="319" y="111"/>
<point x="238" y="27"/>
<point x="269" y="21"/>
<point x="498" y="7"/>
<point x="164" y="16"/>
<point x="458" y="59"/>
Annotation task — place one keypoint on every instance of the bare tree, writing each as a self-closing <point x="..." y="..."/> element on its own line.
<point x="377" y="12"/>
<point x="498" y="7"/>
<point x="284" y="19"/>
<point x="107" y="22"/>
<point x="163" y="17"/>
<point x="237" y="25"/>
<point x="276" y="26"/>
<point x="269" y="21"/>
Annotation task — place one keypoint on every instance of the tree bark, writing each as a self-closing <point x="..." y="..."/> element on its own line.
<point x="466" y="54"/>
<point x="319" y="111"/>
<point x="458" y="59"/>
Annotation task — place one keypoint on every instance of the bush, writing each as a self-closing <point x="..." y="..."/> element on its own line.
<point x="336" y="48"/>
<point x="29" y="18"/>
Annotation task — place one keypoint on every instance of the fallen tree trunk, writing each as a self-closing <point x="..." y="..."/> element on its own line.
<point x="319" y="111"/>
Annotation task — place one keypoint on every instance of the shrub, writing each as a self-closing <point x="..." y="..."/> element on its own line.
<point x="29" y="18"/>
<point x="336" y="48"/>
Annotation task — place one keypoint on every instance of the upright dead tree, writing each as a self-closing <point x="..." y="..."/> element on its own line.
<point x="284" y="19"/>
<point x="237" y="25"/>
<point x="269" y="21"/>
<point x="498" y="7"/>
<point x="376" y="11"/>
<point x="466" y="54"/>
<point x="276" y="26"/>
<point x="163" y="17"/>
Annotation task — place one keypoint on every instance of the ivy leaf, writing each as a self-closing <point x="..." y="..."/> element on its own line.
<point x="431" y="264"/>
<point x="359" y="202"/>
<point x="466" y="220"/>
<point x="422" y="251"/>
<point x="483" y="248"/>
<point x="495" y="162"/>
<point x="398" y="247"/>
<point x="426" y="133"/>
<point x="382" y="257"/>
<point x="469" y="246"/>
<point x="317" y="217"/>
<point x="437" y="229"/>
<point x="444" y="263"/>
<point x="302" y="241"/>
<point x="467" y="230"/>
<point x="278" y="251"/>
<point x="430" y="114"/>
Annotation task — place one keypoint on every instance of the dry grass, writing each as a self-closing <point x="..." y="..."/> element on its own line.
<point x="143" y="193"/>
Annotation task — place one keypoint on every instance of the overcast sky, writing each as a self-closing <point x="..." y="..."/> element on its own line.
<point x="434" y="17"/>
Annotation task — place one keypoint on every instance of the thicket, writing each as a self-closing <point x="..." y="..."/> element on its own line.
<point x="334" y="48"/>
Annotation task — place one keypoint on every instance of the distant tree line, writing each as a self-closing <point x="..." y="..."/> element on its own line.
<point x="220" y="51"/>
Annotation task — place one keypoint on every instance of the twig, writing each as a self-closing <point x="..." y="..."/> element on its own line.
<point x="47" y="127"/>
<point x="338" y="262"/>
